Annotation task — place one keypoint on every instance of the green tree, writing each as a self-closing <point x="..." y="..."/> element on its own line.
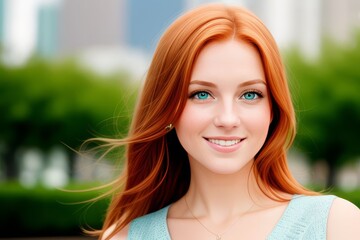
<point x="327" y="101"/>
<point x="47" y="104"/>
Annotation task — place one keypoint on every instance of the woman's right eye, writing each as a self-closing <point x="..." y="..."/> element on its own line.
<point x="201" y="95"/>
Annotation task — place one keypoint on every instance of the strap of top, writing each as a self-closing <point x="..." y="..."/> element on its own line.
<point x="152" y="226"/>
<point x="305" y="218"/>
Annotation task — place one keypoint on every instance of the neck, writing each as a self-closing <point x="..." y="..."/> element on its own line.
<point x="221" y="196"/>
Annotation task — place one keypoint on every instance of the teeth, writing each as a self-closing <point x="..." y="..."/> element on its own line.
<point x="224" y="143"/>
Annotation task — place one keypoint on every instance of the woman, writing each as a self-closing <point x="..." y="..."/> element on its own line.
<point x="206" y="151"/>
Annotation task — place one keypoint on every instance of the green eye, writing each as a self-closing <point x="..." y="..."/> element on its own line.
<point x="201" y="95"/>
<point x="250" y="95"/>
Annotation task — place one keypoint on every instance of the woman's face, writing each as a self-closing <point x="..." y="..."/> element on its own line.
<point x="227" y="115"/>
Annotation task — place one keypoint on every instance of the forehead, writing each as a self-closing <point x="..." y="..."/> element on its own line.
<point x="228" y="59"/>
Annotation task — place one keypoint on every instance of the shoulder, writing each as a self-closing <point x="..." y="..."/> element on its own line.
<point x="121" y="235"/>
<point x="344" y="220"/>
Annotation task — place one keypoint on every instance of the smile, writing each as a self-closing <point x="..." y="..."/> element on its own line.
<point x="224" y="143"/>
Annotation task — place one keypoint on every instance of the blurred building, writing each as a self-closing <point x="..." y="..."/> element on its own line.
<point x="340" y="18"/>
<point x="2" y="20"/>
<point x="291" y="22"/>
<point x="91" y="23"/>
<point x="48" y="30"/>
<point x="305" y="23"/>
<point x="69" y="27"/>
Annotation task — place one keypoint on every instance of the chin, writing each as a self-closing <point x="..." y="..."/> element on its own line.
<point x="230" y="168"/>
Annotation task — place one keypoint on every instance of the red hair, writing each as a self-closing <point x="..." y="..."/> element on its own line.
<point x="157" y="170"/>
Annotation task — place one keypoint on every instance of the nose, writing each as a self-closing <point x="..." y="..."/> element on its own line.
<point x="227" y="115"/>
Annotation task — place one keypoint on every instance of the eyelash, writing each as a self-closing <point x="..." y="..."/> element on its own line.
<point x="257" y="92"/>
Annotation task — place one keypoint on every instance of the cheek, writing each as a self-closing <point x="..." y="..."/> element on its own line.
<point x="191" y="118"/>
<point x="258" y="121"/>
<point x="190" y="126"/>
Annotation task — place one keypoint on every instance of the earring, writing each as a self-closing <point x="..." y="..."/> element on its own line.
<point x="169" y="127"/>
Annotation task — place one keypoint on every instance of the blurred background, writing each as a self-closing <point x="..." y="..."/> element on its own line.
<point x="70" y="70"/>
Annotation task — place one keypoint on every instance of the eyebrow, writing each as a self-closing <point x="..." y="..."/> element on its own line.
<point x="243" y="84"/>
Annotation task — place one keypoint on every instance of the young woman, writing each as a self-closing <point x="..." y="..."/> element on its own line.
<point x="206" y="152"/>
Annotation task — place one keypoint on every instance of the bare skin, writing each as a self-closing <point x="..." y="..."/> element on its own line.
<point x="250" y="215"/>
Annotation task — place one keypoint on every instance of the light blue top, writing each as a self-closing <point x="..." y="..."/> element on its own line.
<point x="304" y="218"/>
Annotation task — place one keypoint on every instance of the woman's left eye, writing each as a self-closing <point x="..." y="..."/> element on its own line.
<point x="251" y="95"/>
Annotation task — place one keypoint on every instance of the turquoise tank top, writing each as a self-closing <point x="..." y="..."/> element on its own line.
<point x="305" y="217"/>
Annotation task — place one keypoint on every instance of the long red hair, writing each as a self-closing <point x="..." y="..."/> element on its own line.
<point x="157" y="170"/>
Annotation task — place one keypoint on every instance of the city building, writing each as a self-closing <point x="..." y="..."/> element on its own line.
<point x="87" y="24"/>
<point x="2" y="21"/>
<point x="69" y="27"/>
<point x="340" y="19"/>
<point x="47" y="30"/>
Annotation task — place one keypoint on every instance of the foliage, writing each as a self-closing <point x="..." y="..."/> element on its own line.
<point x="46" y="104"/>
<point x="45" y="212"/>
<point x="58" y="102"/>
<point x="328" y="104"/>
